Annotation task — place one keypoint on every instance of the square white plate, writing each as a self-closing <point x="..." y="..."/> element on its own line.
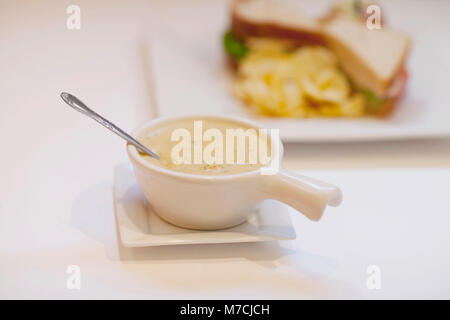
<point x="190" y="74"/>
<point x="139" y="226"/>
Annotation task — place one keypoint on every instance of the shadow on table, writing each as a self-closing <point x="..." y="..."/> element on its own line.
<point x="93" y="214"/>
<point x="286" y="271"/>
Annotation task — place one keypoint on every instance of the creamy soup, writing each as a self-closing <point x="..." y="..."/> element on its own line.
<point x="207" y="147"/>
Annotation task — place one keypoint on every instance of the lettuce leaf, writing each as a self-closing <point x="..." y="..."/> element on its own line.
<point x="233" y="46"/>
<point x="374" y="102"/>
<point x="372" y="98"/>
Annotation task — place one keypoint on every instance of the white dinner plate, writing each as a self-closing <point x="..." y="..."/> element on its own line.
<point x="190" y="74"/>
<point x="139" y="226"/>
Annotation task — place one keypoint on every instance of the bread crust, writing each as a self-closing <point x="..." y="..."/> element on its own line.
<point x="243" y="28"/>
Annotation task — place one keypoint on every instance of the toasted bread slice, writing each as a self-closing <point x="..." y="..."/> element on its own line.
<point x="276" y="19"/>
<point x="371" y="58"/>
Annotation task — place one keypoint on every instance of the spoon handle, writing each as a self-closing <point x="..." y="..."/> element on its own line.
<point x="78" y="105"/>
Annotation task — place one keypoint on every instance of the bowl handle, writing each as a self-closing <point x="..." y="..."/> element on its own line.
<point x="307" y="195"/>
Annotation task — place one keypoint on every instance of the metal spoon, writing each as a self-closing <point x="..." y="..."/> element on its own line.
<point x="76" y="103"/>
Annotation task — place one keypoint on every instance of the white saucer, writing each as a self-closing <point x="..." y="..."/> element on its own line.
<point x="139" y="226"/>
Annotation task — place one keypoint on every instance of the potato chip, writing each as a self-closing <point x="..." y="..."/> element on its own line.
<point x="278" y="81"/>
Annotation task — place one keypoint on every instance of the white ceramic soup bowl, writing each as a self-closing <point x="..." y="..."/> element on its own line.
<point x="208" y="202"/>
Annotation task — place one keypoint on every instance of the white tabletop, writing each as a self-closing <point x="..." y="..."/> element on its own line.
<point x="56" y="173"/>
